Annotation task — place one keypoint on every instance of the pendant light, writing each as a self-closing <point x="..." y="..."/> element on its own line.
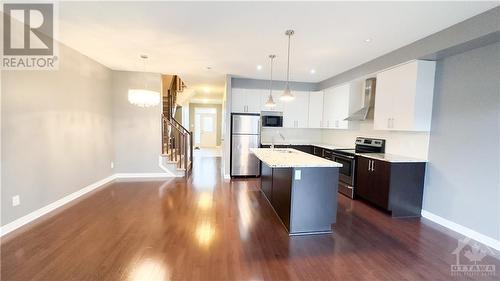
<point x="270" y="101"/>
<point x="143" y="97"/>
<point x="287" y="94"/>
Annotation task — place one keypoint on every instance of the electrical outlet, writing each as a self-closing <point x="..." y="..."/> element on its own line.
<point x="298" y="175"/>
<point x="112" y="164"/>
<point x="16" y="200"/>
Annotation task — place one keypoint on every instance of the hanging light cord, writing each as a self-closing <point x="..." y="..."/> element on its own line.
<point x="271" y="81"/>
<point x="288" y="61"/>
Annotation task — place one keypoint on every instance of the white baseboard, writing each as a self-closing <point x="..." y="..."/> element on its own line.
<point x="66" y="199"/>
<point x="486" y="240"/>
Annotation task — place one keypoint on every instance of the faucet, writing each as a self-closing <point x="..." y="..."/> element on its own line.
<point x="277" y="133"/>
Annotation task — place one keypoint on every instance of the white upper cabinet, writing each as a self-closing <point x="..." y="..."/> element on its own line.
<point x="338" y="105"/>
<point x="295" y="113"/>
<point x="315" y="110"/>
<point x="246" y="100"/>
<point x="403" y="97"/>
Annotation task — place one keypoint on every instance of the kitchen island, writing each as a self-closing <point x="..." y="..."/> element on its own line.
<point x="301" y="188"/>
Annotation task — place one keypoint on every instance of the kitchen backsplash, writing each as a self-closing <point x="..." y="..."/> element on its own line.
<point x="291" y="135"/>
<point x="412" y="144"/>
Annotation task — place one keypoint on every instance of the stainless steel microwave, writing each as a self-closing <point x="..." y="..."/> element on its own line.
<point x="272" y="119"/>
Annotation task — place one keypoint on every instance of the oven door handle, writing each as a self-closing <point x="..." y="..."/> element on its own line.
<point x="342" y="156"/>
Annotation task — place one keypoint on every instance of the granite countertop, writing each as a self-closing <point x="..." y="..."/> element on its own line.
<point x="391" y="158"/>
<point x="289" y="158"/>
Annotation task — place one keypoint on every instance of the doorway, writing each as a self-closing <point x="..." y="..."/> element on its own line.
<point x="205" y="127"/>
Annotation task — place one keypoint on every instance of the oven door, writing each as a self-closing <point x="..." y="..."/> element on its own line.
<point x="346" y="172"/>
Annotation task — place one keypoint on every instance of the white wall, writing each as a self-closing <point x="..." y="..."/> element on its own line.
<point x="226" y="125"/>
<point x="412" y="144"/>
<point x="56" y="132"/>
<point x="136" y="130"/>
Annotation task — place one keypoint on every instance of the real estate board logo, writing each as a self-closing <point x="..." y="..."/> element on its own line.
<point x="28" y="36"/>
<point x="469" y="257"/>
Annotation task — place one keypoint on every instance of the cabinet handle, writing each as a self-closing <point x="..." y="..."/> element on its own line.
<point x="369" y="163"/>
<point x="373" y="165"/>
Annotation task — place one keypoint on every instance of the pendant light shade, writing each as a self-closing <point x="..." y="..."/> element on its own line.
<point x="144" y="97"/>
<point x="270" y="101"/>
<point x="287" y="94"/>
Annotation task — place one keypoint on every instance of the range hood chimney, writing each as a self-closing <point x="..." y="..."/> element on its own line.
<point x="366" y="112"/>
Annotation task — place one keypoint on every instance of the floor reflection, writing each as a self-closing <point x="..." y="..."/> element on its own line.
<point x="149" y="269"/>
<point x="245" y="218"/>
<point x="205" y="233"/>
<point x="205" y="201"/>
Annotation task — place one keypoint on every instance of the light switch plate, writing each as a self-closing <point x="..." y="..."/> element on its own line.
<point x="298" y="175"/>
<point x="16" y="200"/>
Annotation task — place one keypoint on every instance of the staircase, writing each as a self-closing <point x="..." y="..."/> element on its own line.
<point x="177" y="141"/>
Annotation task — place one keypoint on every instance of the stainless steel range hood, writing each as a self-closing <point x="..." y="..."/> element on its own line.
<point x="366" y="112"/>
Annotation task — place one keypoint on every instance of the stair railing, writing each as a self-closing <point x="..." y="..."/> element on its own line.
<point x="178" y="144"/>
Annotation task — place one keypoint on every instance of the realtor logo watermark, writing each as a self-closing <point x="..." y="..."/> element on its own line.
<point x="28" y="37"/>
<point x="469" y="256"/>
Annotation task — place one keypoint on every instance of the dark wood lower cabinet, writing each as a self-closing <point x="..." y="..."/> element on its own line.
<point x="395" y="187"/>
<point x="267" y="178"/>
<point x="305" y="204"/>
<point x="281" y="194"/>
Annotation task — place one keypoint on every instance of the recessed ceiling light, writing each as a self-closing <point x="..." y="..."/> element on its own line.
<point x="312" y="71"/>
<point x="209" y="67"/>
<point x="259" y="67"/>
<point x="368" y="40"/>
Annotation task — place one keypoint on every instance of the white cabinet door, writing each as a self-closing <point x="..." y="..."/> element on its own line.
<point x="340" y="106"/>
<point x="336" y="107"/>
<point x="315" y="110"/>
<point x="245" y="100"/>
<point x="295" y="113"/>
<point x="403" y="99"/>
<point x="253" y="103"/>
<point x="328" y="107"/>
<point x="238" y="100"/>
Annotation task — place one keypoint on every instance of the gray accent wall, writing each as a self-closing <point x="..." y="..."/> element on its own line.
<point x="462" y="182"/>
<point x="247" y="83"/>
<point x="56" y="132"/>
<point x="136" y="130"/>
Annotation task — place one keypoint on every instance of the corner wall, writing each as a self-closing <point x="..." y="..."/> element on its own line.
<point x="136" y="130"/>
<point x="462" y="182"/>
<point x="56" y="132"/>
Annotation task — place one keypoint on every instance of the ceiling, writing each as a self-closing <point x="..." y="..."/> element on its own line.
<point x="234" y="37"/>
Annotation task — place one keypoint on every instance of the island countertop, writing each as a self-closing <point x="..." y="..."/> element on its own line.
<point x="290" y="158"/>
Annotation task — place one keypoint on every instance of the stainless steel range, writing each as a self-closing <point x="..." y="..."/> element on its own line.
<point x="347" y="157"/>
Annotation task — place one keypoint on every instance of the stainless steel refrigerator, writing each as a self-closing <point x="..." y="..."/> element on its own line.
<point x="245" y="134"/>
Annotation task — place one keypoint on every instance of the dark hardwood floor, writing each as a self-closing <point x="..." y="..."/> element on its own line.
<point x="209" y="229"/>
